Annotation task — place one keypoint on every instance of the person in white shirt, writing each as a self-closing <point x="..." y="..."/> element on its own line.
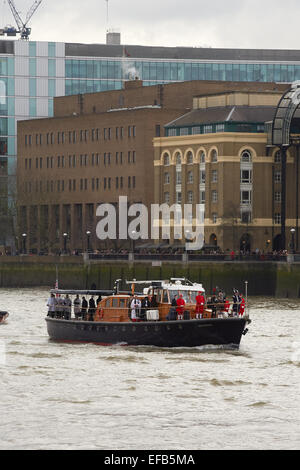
<point x="51" y="306"/>
<point x="135" y="308"/>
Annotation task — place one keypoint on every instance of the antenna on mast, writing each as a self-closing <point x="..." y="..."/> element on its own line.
<point x="107" y="13"/>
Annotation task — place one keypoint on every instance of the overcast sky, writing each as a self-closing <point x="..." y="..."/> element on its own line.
<point x="193" y="23"/>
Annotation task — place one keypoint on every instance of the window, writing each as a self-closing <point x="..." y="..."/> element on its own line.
<point x="214" y="156"/>
<point x="277" y="176"/>
<point x="190" y="177"/>
<point x="246" y="156"/>
<point x="277" y="196"/>
<point x="190" y="196"/>
<point x="277" y="158"/>
<point x="178" y="197"/>
<point x="167" y="178"/>
<point x="167" y="197"/>
<point x="246" y="176"/>
<point x="214" y="196"/>
<point x="214" y="217"/>
<point x="202" y="197"/>
<point x="178" y="177"/>
<point x="246" y="197"/>
<point x="277" y="219"/>
<point x="220" y="127"/>
<point x="166" y="159"/>
<point x="246" y="217"/>
<point x="202" y="157"/>
<point x="202" y="176"/>
<point x="214" y="176"/>
<point x="190" y="159"/>
<point x="178" y="159"/>
<point x="207" y="129"/>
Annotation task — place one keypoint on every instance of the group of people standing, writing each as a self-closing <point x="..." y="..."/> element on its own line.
<point x="138" y="307"/>
<point x="61" y="307"/>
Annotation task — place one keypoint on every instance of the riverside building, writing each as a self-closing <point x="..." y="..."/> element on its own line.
<point x="218" y="155"/>
<point x="96" y="148"/>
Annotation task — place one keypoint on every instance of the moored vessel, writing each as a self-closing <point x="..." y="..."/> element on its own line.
<point x="165" y="314"/>
<point x="3" y="316"/>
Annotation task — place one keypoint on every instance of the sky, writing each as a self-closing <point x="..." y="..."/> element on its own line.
<point x="261" y="24"/>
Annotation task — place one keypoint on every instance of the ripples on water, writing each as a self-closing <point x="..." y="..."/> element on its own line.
<point x="82" y="396"/>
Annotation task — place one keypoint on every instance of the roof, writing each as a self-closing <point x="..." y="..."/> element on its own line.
<point x="223" y="114"/>
<point x="178" y="53"/>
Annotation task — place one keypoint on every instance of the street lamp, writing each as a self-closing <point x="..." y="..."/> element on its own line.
<point x="24" y="235"/>
<point x="65" y="235"/>
<point x="293" y="231"/>
<point x="88" y="234"/>
<point x="133" y="240"/>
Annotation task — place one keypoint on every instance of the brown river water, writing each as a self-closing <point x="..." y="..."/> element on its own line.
<point x="83" y="396"/>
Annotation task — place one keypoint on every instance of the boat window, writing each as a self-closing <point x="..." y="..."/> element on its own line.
<point x="107" y="303"/>
<point x="165" y="298"/>
<point x="173" y="293"/>
<point x="189" y="296"/>
<point x="123" y="303"/>
<point x="115" y="302"/>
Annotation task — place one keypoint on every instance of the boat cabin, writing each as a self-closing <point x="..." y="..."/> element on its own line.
<point x="161" y="294"/>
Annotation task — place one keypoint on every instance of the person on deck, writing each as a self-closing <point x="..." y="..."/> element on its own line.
<point x="92" y="308"/>
<point x="146" y="302"/>
<point x="135" y="308"/>
<point x="200" y="302"/>
<point x="67" y="307"/>
<point x="180" y="307"/>
<point x="242" y="306"/>
<point x="84" y="307"/>
<point x="236" y="303"/>
<point x="76" y="304"/>
<point x="51" y="306"/>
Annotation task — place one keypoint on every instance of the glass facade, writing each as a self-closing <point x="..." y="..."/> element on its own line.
<point x="212" y="128"/>
<point x="86" y="75"/>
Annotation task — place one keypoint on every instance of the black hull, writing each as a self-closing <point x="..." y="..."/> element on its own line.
<point x="188" y="333"/>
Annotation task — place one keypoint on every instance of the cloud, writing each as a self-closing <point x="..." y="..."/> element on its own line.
<point x="234" y="23"/>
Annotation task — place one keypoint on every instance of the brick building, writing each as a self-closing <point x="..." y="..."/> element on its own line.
<point x="96" y="148"/>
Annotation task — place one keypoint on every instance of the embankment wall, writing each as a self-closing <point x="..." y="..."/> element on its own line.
<point x="264" y="279"/>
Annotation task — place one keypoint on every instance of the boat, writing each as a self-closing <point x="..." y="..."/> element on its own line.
<point x="111" y="322"/>
<point x="3" y="316"/>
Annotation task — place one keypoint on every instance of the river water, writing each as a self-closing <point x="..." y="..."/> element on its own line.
<point x="83" y="396"/>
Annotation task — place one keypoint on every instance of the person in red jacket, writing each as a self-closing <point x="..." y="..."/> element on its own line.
<point x="200" y="302"/>
<point x="242" y="306"/>
<point x="180" y="307"/>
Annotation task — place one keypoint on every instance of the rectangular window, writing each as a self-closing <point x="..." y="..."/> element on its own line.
<point x="246" y="176"/>
<point x="214" y="176"/>
<point x="277" y="219"/>
<point x="277" y="196"/>
<point x="214" y="196"/>
<point x="246" y="197"/>
<point x="277" y="176"/>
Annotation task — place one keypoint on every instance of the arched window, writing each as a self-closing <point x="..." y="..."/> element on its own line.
<point x="166" y="159"/>
<point x="214" y="156"/>
<point x="189" y="158"/>
<point x="246" y="156"/>
<point x="202" y="156"/>
<point x="178" y="159"/>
